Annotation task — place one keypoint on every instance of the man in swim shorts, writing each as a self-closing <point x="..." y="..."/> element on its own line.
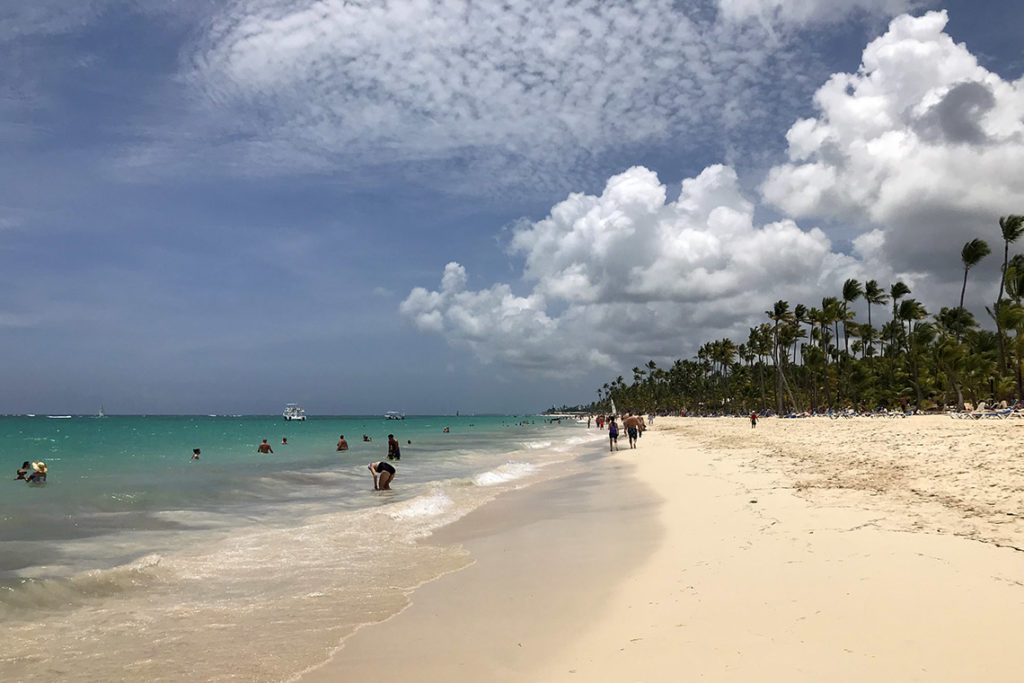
<point x="632" y="425"/>
<point x="383" y="473"/>
<point x="394" y="452"/>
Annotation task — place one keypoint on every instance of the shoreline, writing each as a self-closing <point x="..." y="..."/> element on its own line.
<point x="438" y="636"/>
<point x="775" y="553"/>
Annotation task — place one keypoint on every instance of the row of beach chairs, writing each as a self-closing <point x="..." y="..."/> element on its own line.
<point x="983" y="412"/>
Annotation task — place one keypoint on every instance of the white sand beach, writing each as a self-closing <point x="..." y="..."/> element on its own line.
<point x="803" y="550"/>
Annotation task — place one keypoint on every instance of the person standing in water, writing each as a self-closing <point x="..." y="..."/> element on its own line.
<point x="195" y="453"/>
<point x="342" y="444"/>
<point x="394" y="452"/>
<point x="264" y="447"/>
<point x="383" y="473"/>
<point x="23" y="471"/>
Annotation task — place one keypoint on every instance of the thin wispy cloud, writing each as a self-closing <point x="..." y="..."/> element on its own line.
<point x="525" y="92"/>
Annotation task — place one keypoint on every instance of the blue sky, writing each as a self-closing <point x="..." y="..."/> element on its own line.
<point x="441" y="206"/>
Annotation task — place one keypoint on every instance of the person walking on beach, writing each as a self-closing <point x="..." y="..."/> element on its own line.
<point x="632" y="425"/>
<point x="264" y="447"/>
<point x="342" y="444"/>
<point x="383" y="473"/>
<point x="753" y="420"/>
<point x="613" y="435"/>
<point x="394" y="452"/>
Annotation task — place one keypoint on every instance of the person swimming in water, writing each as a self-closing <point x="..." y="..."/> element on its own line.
<point x="383" y="473"/>
<point x="195" y="453"/>
<point x="23" y="471"/>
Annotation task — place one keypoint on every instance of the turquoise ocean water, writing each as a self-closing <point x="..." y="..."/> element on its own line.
<point x="135" y="562"/>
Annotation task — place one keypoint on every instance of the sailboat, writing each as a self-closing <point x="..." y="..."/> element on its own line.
<point x="614" y="411"/>
<point x="101" y="413"/>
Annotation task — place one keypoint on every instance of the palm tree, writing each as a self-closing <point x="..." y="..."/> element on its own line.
<point x="916" y="332"/>
<point x="873" y="294"/>
<point x="1012" y="227"/>
<point x="781" y="316"/>
<point x="851" y="292"/>
<point x="971" y="255"/>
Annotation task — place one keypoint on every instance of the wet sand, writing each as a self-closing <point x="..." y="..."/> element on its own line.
<point x="804" y="550"/>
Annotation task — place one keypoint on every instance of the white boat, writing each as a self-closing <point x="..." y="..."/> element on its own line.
<point x="393" y="415"/>
<point x="293" y="412"/>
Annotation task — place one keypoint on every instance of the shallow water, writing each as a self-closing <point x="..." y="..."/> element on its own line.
<point x="134" y="562"/>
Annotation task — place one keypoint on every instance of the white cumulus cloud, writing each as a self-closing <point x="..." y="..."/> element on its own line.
<point x="629" y="273"/>
<point x="922" y="142"/>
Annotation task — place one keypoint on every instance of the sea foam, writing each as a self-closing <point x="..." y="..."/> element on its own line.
<point x="510" y="471"/>
<point x="431" y="505"/>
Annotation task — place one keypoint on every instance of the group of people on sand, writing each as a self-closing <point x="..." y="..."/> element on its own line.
<point x="32" y="472"/>
<point x="633" y="424"/>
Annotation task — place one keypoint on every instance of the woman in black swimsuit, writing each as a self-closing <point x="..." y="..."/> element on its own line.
<point x="383" y="473"/>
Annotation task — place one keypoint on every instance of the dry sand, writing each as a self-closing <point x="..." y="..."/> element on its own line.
<point x="803" y="550"/>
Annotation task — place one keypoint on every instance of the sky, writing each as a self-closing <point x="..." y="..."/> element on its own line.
<point x="440" y="206"/>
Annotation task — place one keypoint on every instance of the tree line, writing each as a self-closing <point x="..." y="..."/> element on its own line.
<point x="818" y="358"/>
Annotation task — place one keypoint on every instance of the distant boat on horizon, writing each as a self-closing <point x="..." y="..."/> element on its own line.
<point x="101" y="413"/>
<point x="394" y="415"/>
<point x="292" y="411"/>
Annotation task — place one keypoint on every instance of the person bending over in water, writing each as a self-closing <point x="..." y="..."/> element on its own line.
<point x="38" y="474"/>
<point x="23" y="470"/>
<point x="383" y="473"/>
<point x="342" y="444"/>
<point x="394" y="452"/>
<point x="264" y="447"/>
